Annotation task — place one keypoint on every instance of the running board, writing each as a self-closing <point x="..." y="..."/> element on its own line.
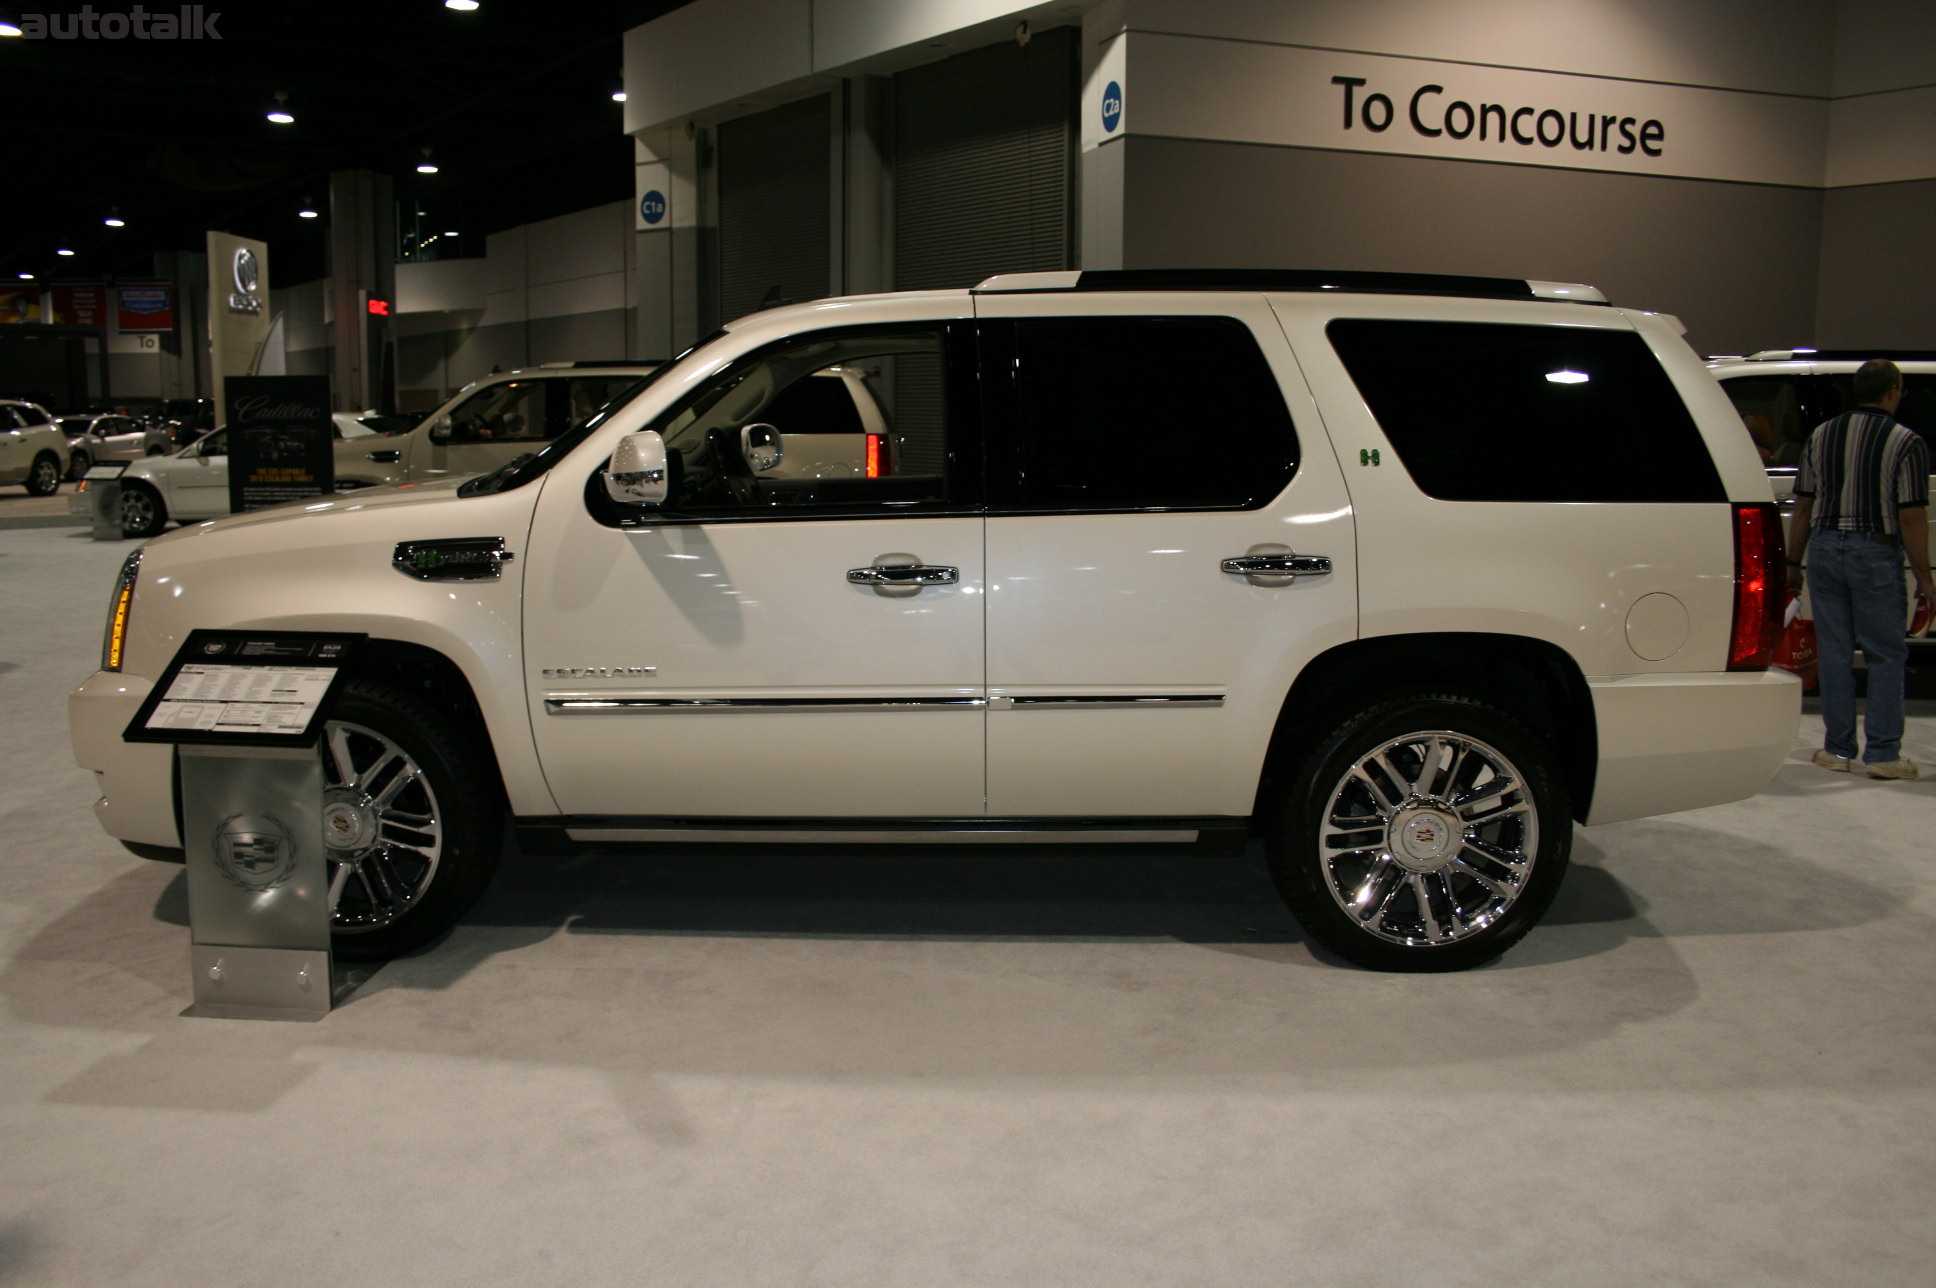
<point x="574" y="832"/>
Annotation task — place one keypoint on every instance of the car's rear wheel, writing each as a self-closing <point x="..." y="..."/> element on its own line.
<point x="1426" y="832"/>
<point x="143" y="514"/>
<point x="44" y="475"/>
<point x="412" y="822"/>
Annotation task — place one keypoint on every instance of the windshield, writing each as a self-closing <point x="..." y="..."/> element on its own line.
<point x="516" y="473"/>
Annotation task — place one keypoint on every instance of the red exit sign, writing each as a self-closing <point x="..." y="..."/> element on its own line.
<point x="380" y="308"/>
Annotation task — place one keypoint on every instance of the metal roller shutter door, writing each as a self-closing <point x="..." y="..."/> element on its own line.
<point x="774" y="220"/>
<point x="983" y="147"/>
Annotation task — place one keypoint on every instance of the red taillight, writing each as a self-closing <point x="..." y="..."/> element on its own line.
<point x="874" y="461"/>
<point x="1758" y="565"/>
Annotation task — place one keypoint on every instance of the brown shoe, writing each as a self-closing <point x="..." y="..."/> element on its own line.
<point x="1829" y="760"/>
<point x="1904" y="769"/>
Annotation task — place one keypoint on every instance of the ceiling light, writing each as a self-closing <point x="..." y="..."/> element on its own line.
<point x="1568" y="377"/>
<point x="426" y="166"/>
<point x="280" y="112"/>
<point x="462" y="6"/>
<point x="307" y="213"/>
<point x="450" y="234"/>
<point x="26" y="277"/>
<point x="618" y="96"/>
<point x="63" y="251"/>
<point x="8" y="27"/>
<point x="115" y="221"/>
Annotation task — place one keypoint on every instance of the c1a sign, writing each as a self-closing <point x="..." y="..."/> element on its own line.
<point x="279" y="440"/>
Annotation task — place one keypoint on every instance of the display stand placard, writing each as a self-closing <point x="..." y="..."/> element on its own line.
<point x="245" y="688"/>
<point x="245" y="709"/>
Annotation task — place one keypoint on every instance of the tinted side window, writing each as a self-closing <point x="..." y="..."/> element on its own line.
<point x="31" y="415"/>
<point x="1488" y="412"/>
<point x="1161" y="413"/>
<point x="849" y="422"/>
<point x="1918" y="409"/>
<point x="1772" y="408"/>
<point x="589" y="393"/>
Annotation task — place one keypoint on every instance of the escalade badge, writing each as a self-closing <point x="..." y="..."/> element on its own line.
<point x="452" y="559"/>
<point x="597" y="672"/>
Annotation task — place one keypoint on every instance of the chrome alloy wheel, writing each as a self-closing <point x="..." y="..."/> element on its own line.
<point x="44" y="476"/>
<point x="137" y="510"/>
<point x="1429" y="839"/>
<point x="381" y="827"/>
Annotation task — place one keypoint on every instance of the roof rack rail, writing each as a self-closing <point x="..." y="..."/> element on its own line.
<point x="1842" y="355"/>
<point x="1287" y="279"/>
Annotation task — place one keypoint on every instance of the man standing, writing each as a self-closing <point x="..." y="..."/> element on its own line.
<point x="1861" y="501"/>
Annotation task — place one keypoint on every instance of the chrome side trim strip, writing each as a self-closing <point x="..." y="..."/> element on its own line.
<point x="1111" y="703"/>
<point x="598" y="706"/>
<point x="884" y="836"/>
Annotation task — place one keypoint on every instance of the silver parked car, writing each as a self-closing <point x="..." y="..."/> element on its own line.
<point x="92" y="438"/>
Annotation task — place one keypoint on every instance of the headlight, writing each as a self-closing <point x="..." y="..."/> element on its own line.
<point x="117" y="637"/>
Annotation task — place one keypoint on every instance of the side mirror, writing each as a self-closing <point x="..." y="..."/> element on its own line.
<point x="636" y="474"/>
<point x="440" y="432"/>
<point x="761" y="448"/>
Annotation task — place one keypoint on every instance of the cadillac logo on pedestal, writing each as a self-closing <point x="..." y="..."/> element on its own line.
<point x="247" y="274"/>
<point x="254" y="851"/>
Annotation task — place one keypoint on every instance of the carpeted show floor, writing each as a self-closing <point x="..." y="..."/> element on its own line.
<point x="1712" y="1064"/>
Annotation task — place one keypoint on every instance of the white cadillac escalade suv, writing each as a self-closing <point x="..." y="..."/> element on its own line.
<point x="1406" y="574"/>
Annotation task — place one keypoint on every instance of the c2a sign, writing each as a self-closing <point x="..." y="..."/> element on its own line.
<point x="1431" y="116"/>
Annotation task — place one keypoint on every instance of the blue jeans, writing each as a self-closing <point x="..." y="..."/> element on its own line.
<point x="1855" y="588"/>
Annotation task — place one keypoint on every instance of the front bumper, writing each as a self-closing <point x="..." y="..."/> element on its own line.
<point x="136" y="779"/>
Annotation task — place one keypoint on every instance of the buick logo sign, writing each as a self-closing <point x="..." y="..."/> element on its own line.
<point x="247" y="271"/>
<point x="247" y="274"/>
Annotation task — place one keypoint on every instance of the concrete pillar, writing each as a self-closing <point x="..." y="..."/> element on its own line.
<point x="362" y="232"/>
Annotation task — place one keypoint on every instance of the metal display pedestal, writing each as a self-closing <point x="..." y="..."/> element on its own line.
<point x="258" y="882"/>
<point x="104" y="508"/>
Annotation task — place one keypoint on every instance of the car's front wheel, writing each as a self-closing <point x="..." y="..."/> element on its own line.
<point x="143" y="513"/>
<point x="412" y="821"/>
<point x="44" y="475"/>
<point x="1425" y="832"/>
<point x="78" y="464"/>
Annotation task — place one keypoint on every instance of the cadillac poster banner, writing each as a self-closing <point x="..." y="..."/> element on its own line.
<point x="279" y="440"/>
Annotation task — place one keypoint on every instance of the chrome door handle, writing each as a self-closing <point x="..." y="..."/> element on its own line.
<point x="1277" y="568"/>
<point x="901" y="575"/>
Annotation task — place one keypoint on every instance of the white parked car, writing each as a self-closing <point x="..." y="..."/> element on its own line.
<point x="1781" y="395"/>
<point x="487" y="423"/>
<point x="33" y="451"/>
<point x="108" y="438"/>
<point x="190" y="485"/>
<point x="1357" y="562"/>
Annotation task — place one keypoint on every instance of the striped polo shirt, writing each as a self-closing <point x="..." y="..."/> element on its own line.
<point x="1861" y="467"/>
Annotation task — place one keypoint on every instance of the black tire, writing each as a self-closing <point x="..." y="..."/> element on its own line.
<point x="44" y="475"/>
<point x="143" y="512"/>
<point x="1452" y="878"/>
<point x="78" y="463"/>
<point x="412" y="810"/>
